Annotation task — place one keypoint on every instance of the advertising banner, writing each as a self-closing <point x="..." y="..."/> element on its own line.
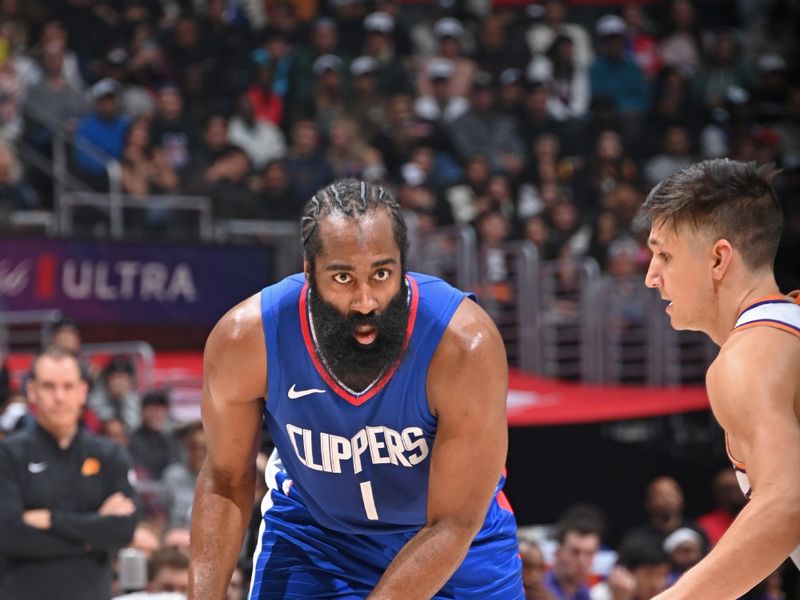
<point x="130" y="283"/>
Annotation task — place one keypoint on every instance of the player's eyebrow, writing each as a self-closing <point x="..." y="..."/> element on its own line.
<point x="340" y="266"/>
<point x="383" y="262"/>
<point x="651" y="241"/>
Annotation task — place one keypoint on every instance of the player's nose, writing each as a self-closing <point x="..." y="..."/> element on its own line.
<point x="652" y="279"/>
<point x="364" y="301"/>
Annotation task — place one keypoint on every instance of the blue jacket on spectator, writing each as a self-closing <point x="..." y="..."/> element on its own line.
<point x="622" y="81"/>
<point x="107" y="135"/>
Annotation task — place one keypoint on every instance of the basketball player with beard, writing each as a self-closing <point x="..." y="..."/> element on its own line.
<point x="715" y="232"/>
<point x="385" y="394"/>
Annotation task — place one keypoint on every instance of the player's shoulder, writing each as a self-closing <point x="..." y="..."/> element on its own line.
<point x="236" y="343"/>
<point x="471" y="334"/>
<point x="753" y="359"/>
<point x="760" y="346"/>
<point x="238" y="325"/>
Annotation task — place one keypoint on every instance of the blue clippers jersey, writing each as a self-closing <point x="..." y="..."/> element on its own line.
<point x="358" y="462"/>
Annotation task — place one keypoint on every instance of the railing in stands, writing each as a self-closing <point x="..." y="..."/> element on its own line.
<point x="26" y="330"/>
<point x="120" y="206"/>
<point x="284" y="236"/>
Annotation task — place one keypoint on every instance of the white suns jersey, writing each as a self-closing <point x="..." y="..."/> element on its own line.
<point x="781" y="313"/>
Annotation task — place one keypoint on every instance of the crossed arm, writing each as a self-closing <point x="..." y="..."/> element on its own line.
<point x="46" y="533"/>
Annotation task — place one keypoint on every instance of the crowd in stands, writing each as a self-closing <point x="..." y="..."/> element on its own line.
<point x="649" y="557"/>
<point x="543" y="121"/>
<point x="547" y="122"/>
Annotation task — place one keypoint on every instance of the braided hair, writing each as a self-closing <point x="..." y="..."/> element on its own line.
<point x="352" y="198"/>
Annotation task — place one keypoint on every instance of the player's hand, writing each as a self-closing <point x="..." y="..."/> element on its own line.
<point x="622" y="583"/>
<point x="117" y="505"/>
<point x="38" y="518"/>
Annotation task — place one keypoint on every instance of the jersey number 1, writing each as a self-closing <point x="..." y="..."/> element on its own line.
<point x="369" y="500"/>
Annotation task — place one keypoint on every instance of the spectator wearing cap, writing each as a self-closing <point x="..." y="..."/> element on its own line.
<point x="330" y="93"/>
<point x="135" y="100"/>
<point x="103" y="130"/>
<point x="152" y="445"/>
<point x="417" y="196"/>
<point x="511" y="94"/>
<point x="401" y="36"/>
<point x="368" y="105"/>
<point x="116" y="394"/>
<point x="442" y="106"/>
<point x="536" y="118"/>
<point x="542" y="35"/>
<point x="772" y="89"/>
<point x="324" y="39"/>
<point x="482" y="130"/>
<point x="680" y="47"/>
<point x="449" y="34"/>
<point x="614" y="75"/>
<point x="379" y="44"/>
<point x="685" y="548"/>
<point x="259" y="138"/>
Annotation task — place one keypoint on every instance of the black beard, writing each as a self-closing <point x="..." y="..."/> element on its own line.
<point x="354" y="364"/>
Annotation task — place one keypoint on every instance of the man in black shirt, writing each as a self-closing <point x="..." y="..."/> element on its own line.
<point x="66" y="503"/>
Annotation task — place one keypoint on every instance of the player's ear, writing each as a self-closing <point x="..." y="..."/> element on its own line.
<point x="306" y="268"/>
<point x="721" y="253"/>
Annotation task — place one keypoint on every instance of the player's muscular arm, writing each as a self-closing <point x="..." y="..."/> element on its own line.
<point x="752" y="387"/>
<point x="235" y="375"/>
<point x="467" y="386"/>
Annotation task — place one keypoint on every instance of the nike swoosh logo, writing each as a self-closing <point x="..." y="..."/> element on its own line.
<point x="294" y="394"/>
<point x="37" y="467"/>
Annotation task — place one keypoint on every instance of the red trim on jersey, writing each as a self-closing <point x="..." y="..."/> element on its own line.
<point x="358" y="399"/>
<point x="503" y="502"/>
